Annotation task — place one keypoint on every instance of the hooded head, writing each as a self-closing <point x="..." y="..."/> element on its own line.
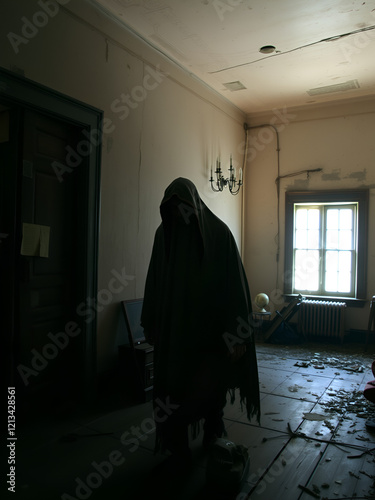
<point x="181" y="203"/>
<point x="186" y="193"/>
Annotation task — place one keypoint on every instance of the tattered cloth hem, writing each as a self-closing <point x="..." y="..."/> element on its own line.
<point x="252" y="410"/>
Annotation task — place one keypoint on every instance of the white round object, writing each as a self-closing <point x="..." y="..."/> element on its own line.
<point x="261" y="301"/>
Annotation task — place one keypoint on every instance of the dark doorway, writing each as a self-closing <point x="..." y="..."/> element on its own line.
<point x="49" y="231"/>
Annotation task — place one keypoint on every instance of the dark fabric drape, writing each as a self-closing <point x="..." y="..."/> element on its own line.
<point x="197" y="305"/>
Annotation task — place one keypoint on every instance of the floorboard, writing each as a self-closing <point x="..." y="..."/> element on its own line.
<point x="312" y="441"/>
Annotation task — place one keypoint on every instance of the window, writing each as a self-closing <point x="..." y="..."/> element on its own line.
<point x="325" y="243"/>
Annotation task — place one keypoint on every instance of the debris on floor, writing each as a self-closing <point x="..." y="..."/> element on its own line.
<point x="314" y="416"/>
<point x="302" y="364"/>
<point x="342" y="409"/>
<point x="342" y="401"/>
<point x="352" y="402"/>
<point x="294" y="388"/>
<point x="319" y="367"/>
<point x="322" y="359"/>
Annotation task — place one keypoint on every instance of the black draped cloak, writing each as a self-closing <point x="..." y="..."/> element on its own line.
<point x="197" y="302"/>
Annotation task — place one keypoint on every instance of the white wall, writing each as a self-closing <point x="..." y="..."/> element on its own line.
<point x="173" y="127"/>
<point x="177" y="127"/>
<point x="340" y="139"/>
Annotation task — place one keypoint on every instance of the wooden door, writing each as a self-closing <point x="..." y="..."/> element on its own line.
<point x="49" y="344"/>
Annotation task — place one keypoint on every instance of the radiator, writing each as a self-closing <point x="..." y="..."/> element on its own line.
<point x="322" y="318"/>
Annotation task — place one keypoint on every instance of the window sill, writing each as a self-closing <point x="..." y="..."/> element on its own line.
<point x="350" y="302"/>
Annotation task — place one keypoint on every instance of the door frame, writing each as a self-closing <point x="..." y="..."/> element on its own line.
<point x="26" y="93"/>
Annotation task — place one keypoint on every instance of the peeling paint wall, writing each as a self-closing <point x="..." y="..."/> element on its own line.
<point x="164" y="124"/>
<point x="340" y="139"/>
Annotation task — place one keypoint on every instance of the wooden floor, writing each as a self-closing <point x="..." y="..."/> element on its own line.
<point x="316" y="393"/>
<point x="312" y="441"/>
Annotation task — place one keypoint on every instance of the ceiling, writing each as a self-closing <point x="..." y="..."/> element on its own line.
<point x="324" y="50"/>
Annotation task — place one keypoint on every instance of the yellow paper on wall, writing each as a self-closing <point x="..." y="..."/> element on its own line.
<point x="35" y="240"/>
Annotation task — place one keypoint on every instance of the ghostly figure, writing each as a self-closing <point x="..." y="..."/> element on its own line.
<point x="197" y="313"/>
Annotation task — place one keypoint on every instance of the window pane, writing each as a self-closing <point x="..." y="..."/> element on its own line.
<point x="346" y="218"/>
<point x="307" y="233"/>
<point x="313" y="239"/>
<point x="345" y="240"/>
<point x="345" y="267"/>
<point x="306" y="270"/>
<point x="331" y="271"/>
<point x="338" y="272"/>
<point x="332" y="239"/>
<point x="332" y="218"/>
<point x="344" y="282"/>
<point x="301" y="238"/>
<point x="301" y="218"/>
<point x="313" y="218"/>
<point x="331" y="282"/>
<point x="345" y="261"/>
<point x="332" y="261"/>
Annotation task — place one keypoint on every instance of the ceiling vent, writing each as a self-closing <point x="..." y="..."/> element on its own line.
<point x="234" y="86"/>
<point x="339" y="87"/>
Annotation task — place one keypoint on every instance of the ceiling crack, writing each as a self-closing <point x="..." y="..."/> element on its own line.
<point x="279" y="53"/>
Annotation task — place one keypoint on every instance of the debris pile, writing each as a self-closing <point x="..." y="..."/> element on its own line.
<point x="343" y="409"/>
<point x="347" y="363"/>
<point x="349" y="402"/>
<point x="342" y="401"/>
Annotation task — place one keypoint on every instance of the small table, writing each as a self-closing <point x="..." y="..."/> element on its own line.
<point x="258" y="320"/>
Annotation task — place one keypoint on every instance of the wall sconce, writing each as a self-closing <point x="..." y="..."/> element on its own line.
<point x="220" y="183"/>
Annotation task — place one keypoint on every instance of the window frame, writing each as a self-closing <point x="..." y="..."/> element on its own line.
<point x="361" y="198"/>
<point x="323" y="250"/>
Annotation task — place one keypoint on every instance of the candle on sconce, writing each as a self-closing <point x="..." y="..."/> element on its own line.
<point x="221" y="181"/>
